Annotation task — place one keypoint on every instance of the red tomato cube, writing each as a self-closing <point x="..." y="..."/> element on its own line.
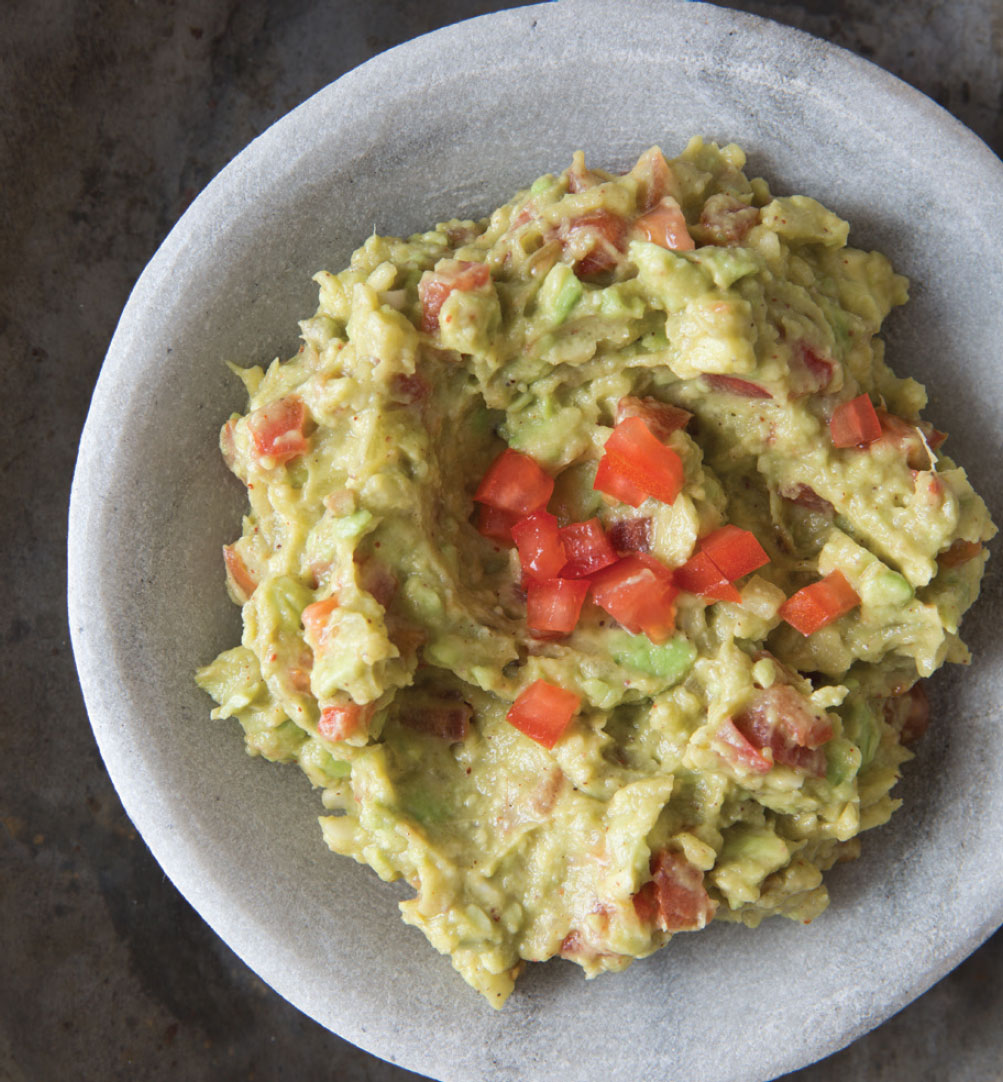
<point x="734" y="551"/>
<point x="587" y="547"/>
<point x="700" y="575"/>
<point x="854" y="423"/>
<point x="541" y="551"/>
<point x="643" y="459"/>
<point x="639" y="593"/>
<point x="277" y="430"/>
<point x="817" y="605"/>
<point x="554" y="605"/>
<point x="515" y="482"/>
<point x="543" y="711"/>
<point x="615" y="484"/>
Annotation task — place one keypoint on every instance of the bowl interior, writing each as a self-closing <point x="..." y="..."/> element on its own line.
<point x="451" y="125"/>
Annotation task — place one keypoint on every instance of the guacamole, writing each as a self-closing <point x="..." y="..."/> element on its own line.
<point x="594" y="560"/>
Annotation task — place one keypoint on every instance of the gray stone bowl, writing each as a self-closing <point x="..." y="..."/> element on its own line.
<point x="453" y="123"/>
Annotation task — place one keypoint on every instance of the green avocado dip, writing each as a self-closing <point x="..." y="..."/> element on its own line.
<point x="594" y="560"/>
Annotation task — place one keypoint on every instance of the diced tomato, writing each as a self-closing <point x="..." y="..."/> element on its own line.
<point x="435" y="286"/>
<point x="602" y="234"/>
<point x="300" y="668"/>
<point x="810" y="372"/>
<point x="514" y="482"/>
<point x="241" y="580"/>
<point x="743" y="388"/>
<point x="805" y="496"/>
<point x="277" y="430"/>
<point x="781" y="719"/>
<point x="665" y="225"/>
<point x="726" y="220"/>
<point x="661" y="417"/>
<point x="411" y="390"/>
<point x="639" y="593"/>
<point x="377" y="580"/>
<point x="541" y="550"/>
<point x="543" y="711"/>
<point x="445" y="718"/>
<point x="909" y="713"/>
<point x="628" y="535"/>
<point x="734" y="551"/>
<point x="494" y="523"/>
<point x="572" y="944"/>
<point x="554" y="605"/>
<point x="908" y="438"/>
<point x="655" y="178"/>
<point x="817" y="605"/>
<point x="854" y="423"/>
<point x="315" y="619"/>
<point x="610" y="480"/>
<point x="642" y="458"/>
<point x="736" y="749"/>
<point x="700" y="575"/>
<point x="587" y="547"/>
<point x="674" y="899"/>
<point x="959" y="553"/>
<point x="340" y="721"/>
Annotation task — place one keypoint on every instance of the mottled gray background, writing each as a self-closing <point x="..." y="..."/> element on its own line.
<point x="113" y="115"/>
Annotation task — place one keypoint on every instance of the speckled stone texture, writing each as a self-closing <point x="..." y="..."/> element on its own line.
<point x="114" y="116"/>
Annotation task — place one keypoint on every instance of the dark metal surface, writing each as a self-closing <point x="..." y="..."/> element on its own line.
<point x="113" y="115"/>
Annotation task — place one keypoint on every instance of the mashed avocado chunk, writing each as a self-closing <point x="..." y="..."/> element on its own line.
<point x="593" y="560"/>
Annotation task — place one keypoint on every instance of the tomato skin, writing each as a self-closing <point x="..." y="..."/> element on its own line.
<point x="734" y="551"/>
<point x="854" y="423"/>
<point x="543" y="711"/>
<point x="908" y="438"/>
<point x="608" y="232"/>
<point x="340" y="721"/>
<point x="654" y="176"/>
<point x="277" y="430"/>
<point x="726" y="220"/>
<point x="541" y="550"/>
<point x="435" y="287"/>
<point x="553" y="606"/>
<point x="662" y="418"/>
<point x="810" y="372"/>
<point x="587" y="547"/>
<point x="243" y="582"/>
<point x="700" y="575"/>
<point x="613" y="483"/>
<point x="817" y="605"/>
<point x="639" y="593"/>
<point x="735" y="747"/>
<point x="637" y="454"/>
<point x="742" y="388"/>
<point x="781" y="719"/>
<point x="959" y="553"/>
<point x="674" y="899"/>
<point x="665" y="226"/>
<point x="515" y="482"/>
<point x="494" y="523"/>
<point x="315" y="617"/>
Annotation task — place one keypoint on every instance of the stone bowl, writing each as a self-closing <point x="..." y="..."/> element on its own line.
<point x="452" y="124"/>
